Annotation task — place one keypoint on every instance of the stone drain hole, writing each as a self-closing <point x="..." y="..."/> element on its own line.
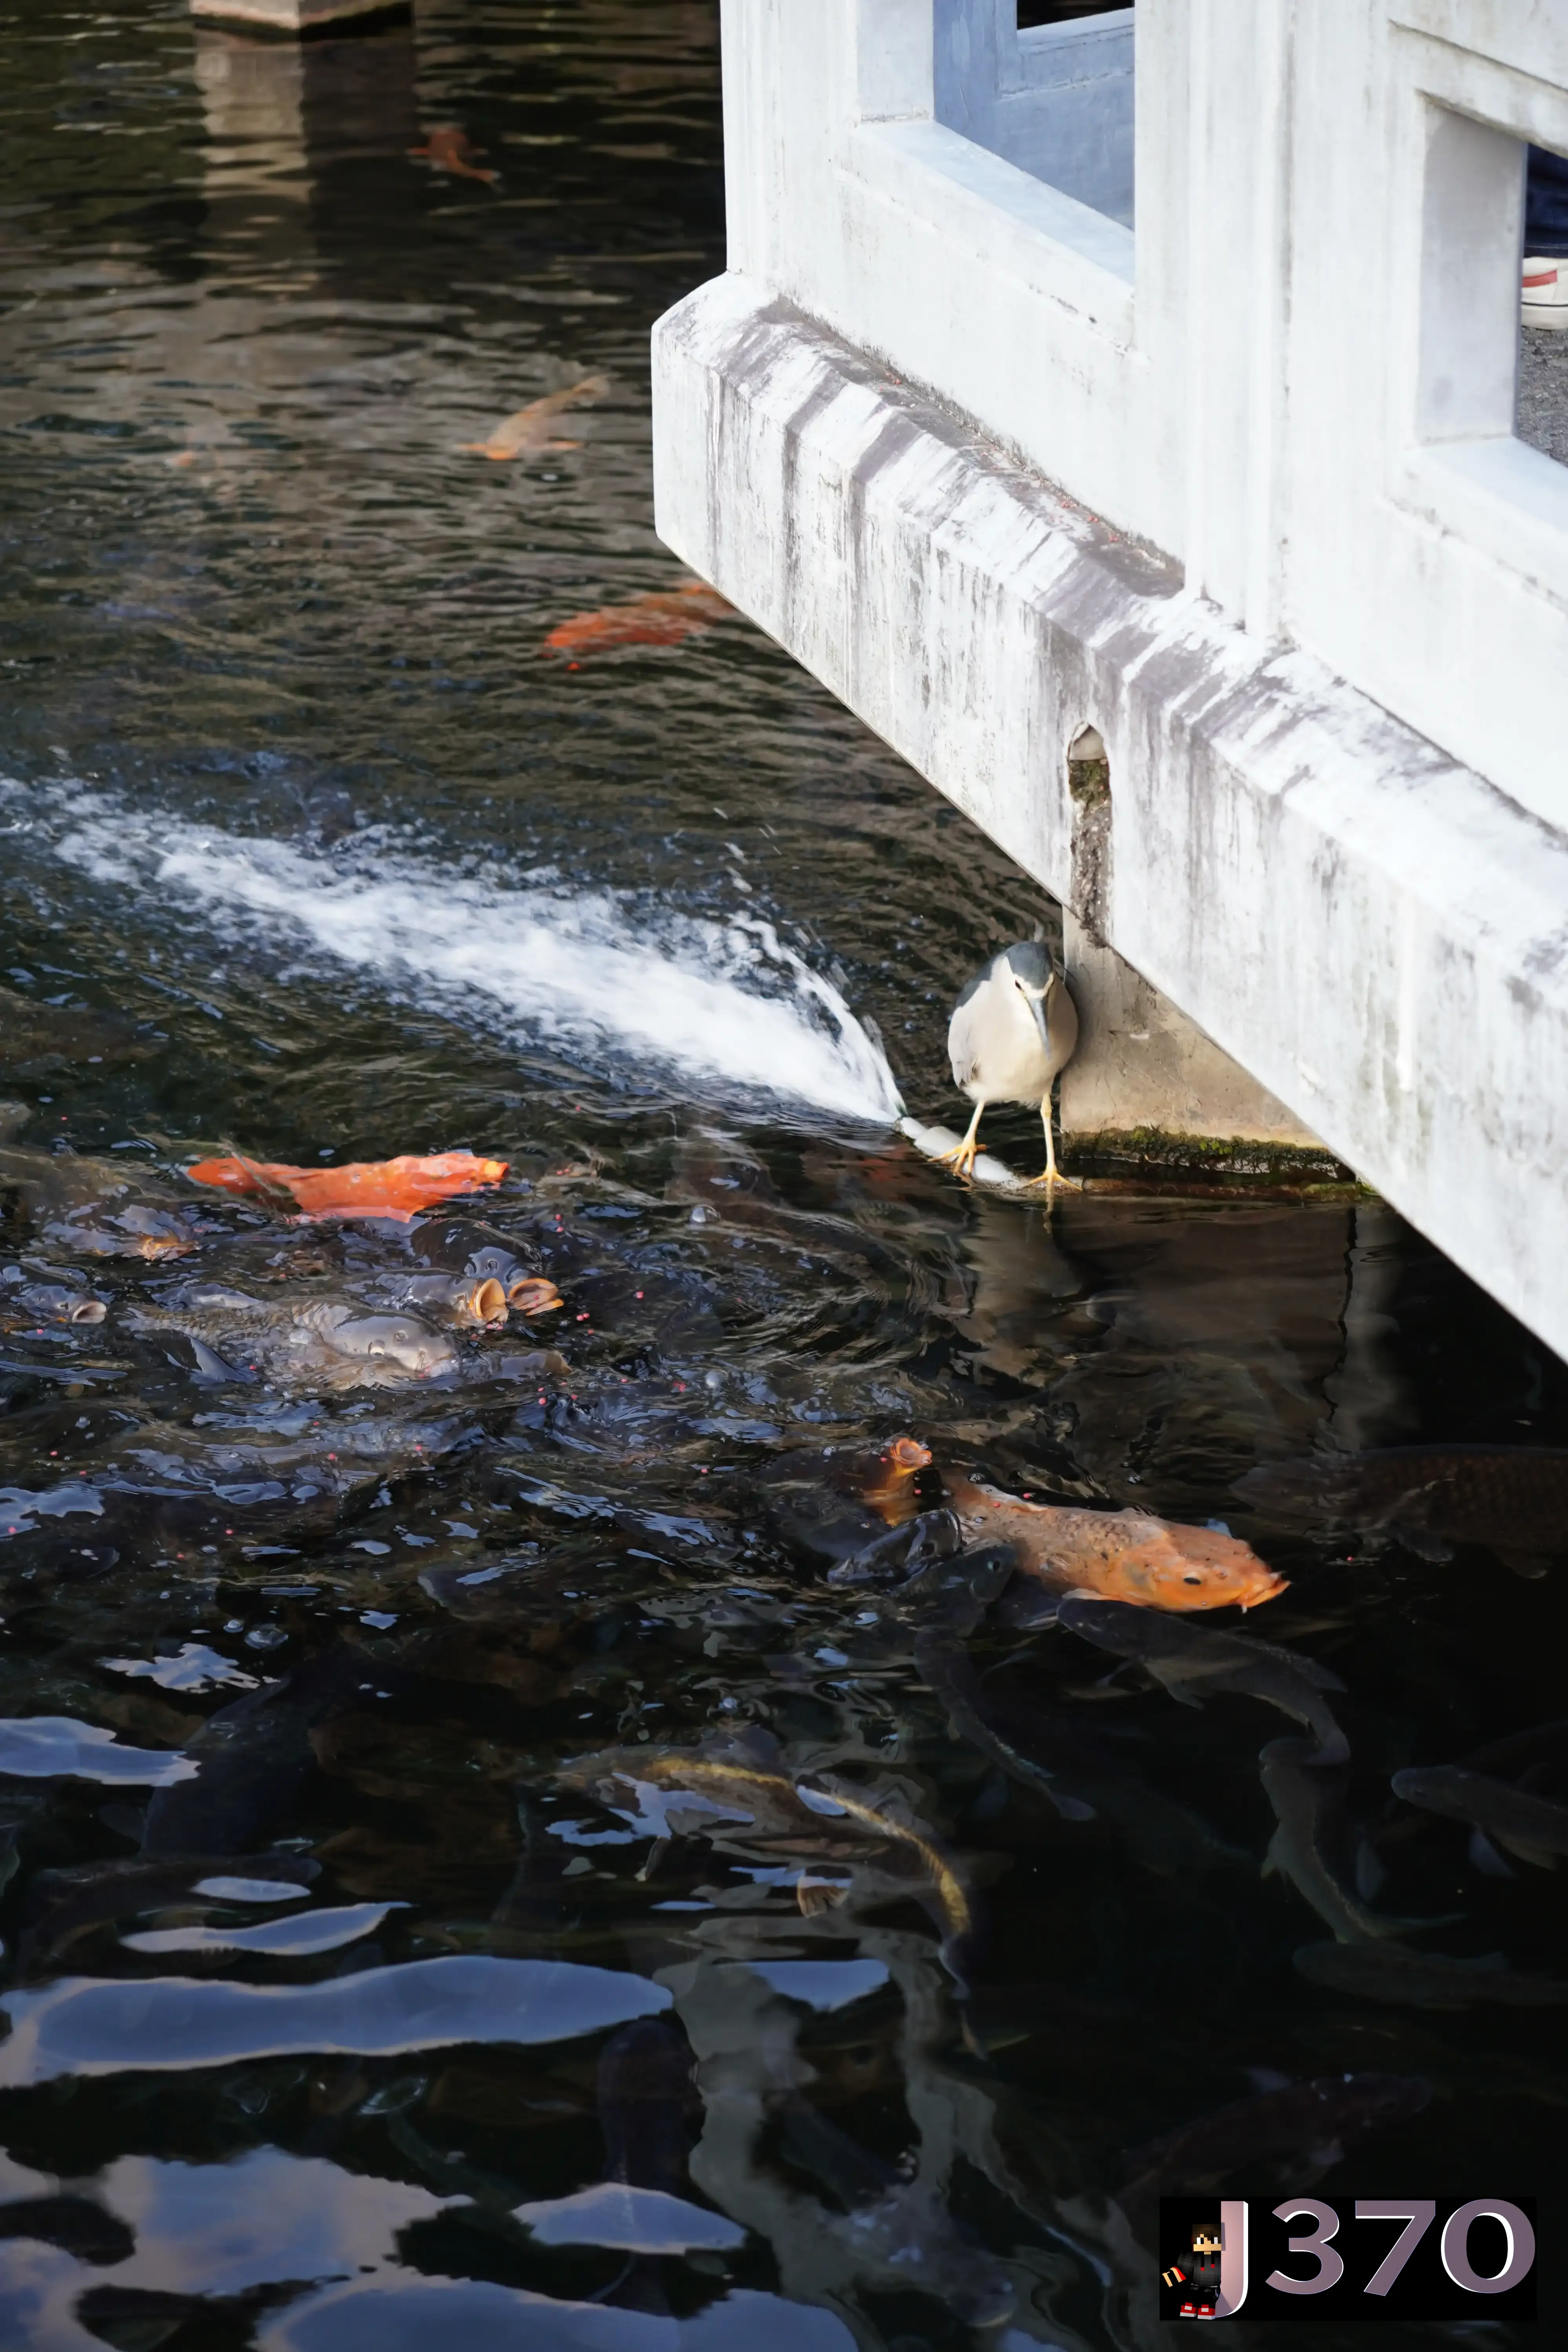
<point x="1088" y="783"/>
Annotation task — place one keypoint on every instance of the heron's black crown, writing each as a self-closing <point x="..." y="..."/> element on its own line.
<point x="1029" y="959"/>
<point x="1032" y="963"/>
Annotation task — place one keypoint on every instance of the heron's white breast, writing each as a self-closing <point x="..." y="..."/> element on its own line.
<point x="996" y="1047"/>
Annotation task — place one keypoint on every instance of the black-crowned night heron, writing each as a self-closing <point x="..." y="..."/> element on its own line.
<point x="1012" y="1030"/>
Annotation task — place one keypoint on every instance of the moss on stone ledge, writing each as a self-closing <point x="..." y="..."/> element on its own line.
<point x="1237" y="1160"/>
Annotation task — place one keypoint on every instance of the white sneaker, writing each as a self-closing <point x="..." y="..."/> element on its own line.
<point x="1544" y="293"/>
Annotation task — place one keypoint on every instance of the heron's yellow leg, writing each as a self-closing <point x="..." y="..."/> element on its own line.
<point x="963" y="1156"/>
<point x="1053" y="1174"/>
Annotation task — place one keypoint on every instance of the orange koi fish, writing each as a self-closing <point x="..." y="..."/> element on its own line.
<point x="663" y="619"/>
<point x="363" y="1188"/>
<point x="449" y="150"/>
<point x="1120" y="1555"/>
<point x="888" y="1485"/>
<point x="527" y="430"/>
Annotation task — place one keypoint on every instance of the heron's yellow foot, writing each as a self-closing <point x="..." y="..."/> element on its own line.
<point x="962" y="1158"/>
<point x="1050" y="1177"/>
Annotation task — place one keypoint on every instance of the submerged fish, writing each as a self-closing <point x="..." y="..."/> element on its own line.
<point x="63" y="1905"/>
<point x="398" y="1188"/>
<point x="460" y="1245"/>
<point x="324" y="1343"/>
<point x="474" y="1301"/>
<point x="642" y="2203"/>
<point x="904" y="1556"/>
<point x="1120" y="1555"/>
<point x="901" y="2233"/>
<point x="162" y="1483"/>
<point x="1039" y="1746"/>
<point x="1193" y="1663"/>
<point x="830" y="1502"/>
<point x="662" y="619"/>
<point x="1533" y="1827"/>
<point x="254" y="1757"/>
<point x="93" y="1208"/>
<point x="527" y="430"/>
<point x="1392" y="1972"/>
<point x="1538" y="1747"/>
<point x="1302" y="1795"/>
<point x="904" y="1552"/>
<point x="37" y="1038"/>
<point x="735" y="1801"/>
<point x="1306" y="2124"/>
<point x="647" y="2095"/>
<point x="450" y="149"/>
<point x="948" y="1592"/>
<point x="948" y="1674"/>
<point x="1513" y="1498"/>
<point x="24" y="1303"/>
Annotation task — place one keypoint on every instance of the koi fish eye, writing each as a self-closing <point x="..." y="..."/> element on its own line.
<point x="1191" y="1577"/>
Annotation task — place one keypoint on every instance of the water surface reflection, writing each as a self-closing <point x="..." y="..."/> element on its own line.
<point x="467" y="1870"/>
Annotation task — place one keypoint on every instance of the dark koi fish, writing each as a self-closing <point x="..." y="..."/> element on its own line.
<point x="1513" y="1498"/>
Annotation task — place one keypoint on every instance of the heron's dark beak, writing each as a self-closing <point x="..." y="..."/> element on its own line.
<point x="1039" y="1007"/>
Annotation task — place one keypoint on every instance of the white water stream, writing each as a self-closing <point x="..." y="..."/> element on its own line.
<point x="727" y="1003"/>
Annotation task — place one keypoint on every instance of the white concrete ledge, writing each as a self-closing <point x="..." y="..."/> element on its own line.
<point x="1047" y="242"/>
<point x="1373" y="932"/>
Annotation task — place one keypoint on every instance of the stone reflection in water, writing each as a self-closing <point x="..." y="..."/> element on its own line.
<point x="1191" y="1339"/>
<point x="278" y="116"/>
<point x="253" y="109"/>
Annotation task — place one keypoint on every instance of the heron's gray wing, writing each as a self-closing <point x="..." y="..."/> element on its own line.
<point x="964" y="1038"/>
<point x="1061" y="1023"/>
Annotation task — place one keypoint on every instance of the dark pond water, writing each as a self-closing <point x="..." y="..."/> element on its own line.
<point x="898" y="1957"/>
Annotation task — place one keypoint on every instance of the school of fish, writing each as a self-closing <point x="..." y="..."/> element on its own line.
<point x="306" y="1309"/>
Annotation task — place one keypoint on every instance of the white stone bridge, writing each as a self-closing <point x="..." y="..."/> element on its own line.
<point x="1150" y="377"/>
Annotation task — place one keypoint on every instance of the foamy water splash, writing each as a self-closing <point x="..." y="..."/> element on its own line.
<point x="728" y="1004"/>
